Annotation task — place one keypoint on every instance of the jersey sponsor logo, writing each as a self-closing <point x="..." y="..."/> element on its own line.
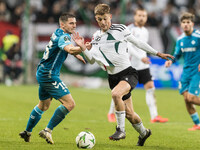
<point x="189" y="49"/>
<point x="98" y="38"/>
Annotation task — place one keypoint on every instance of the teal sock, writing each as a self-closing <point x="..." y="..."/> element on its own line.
<point x="57" y="117"/>
<point x="195" y="118"/>
<point x="34" y="118"/>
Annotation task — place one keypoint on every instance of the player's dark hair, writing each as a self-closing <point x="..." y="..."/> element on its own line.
<point x="64" y="16"/>
<point x="187" y="16"/>
<point x="102" y="9"/>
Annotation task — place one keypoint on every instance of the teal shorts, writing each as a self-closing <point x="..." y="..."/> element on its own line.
<point x="55" y="89"/>
<point x="192" y="85"/>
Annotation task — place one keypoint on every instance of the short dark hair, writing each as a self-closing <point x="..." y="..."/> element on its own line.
<point x="139" y="9"/>
<point x="102" y="9"/>
<point x="188" y="16"/>
<point x="64" y="16"/>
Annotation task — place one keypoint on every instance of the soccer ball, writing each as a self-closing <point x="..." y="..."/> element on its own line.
<point x="85" y="139"/>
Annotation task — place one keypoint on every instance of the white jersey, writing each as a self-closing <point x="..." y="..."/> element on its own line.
<point x="109" y="49"/>
<point x="136" y="54"/>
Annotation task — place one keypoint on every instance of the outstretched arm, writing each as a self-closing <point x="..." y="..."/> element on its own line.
<point x="144" y="46"/>
<point x="80" y="42"/>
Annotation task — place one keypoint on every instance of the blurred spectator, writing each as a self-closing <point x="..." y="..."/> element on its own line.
<point x="56" y="12"/>
<point x="43" y="15"/>
<point x="12" y="63"/>
<point x="16" y="18"/>
<point x="4" y="12"/>
<point x="169" y="18"/>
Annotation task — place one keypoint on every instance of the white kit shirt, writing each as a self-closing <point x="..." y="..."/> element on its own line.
<point x="110" y="51"/>
<point x="137" y="54"/>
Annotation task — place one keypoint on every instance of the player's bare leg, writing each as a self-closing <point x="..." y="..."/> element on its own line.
<point x="136" y="122"/>
<point x="193" y="99"/>
<point x="118" y="92"/>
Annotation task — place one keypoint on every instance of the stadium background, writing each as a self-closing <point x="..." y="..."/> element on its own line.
<point x="33" y="21"/>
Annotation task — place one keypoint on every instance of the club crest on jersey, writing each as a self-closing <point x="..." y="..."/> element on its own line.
<point x="98" y="38"/>
<point x="193" y="42"/>
<point x="66" y="38"/>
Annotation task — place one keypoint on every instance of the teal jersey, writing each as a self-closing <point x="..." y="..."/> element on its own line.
<point x="189" y="48"/>
<point x="49" y="67"/>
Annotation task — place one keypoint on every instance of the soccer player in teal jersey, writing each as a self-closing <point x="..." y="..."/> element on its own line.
<point x="50" y="84"/>
<point x="188" y="46"/>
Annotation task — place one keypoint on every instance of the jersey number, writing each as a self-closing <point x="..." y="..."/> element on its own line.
<point x="46" y="53"/>
<point x="60" y="84"/>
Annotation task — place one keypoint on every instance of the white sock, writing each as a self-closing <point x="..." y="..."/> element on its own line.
<point x="120" y="115"/>
<point x="140" y="129"/>
<point x="29" y="133"/>
<point x="151" y="102"/>
<point x="49" y="130"/>
<point x="112" y="107"/>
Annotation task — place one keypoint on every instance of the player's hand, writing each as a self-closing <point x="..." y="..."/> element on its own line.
<point x="146" y="60"/>
<point x="165" y="56"/>
<point x="88" y="45"/>
<point x="78" y="39"/>
<point x="79" y="57"/>
<point x="199" y="67"/>
<point x="168" y="63"/>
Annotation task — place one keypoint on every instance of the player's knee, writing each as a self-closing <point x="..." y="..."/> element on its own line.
<point x="191" y="98"/>
<point x="115" y="95"/>
<point x="43" y="106"/>
<point x="70" y="105"/>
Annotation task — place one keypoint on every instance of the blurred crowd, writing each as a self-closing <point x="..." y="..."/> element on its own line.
<point x="162" y="14"/>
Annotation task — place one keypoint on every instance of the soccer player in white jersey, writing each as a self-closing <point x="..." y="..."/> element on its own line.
<point x="188" y="46"/>
<point x="109" y="49"/>
<point x="140" y="62"/>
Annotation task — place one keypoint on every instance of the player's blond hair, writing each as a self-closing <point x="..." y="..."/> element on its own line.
<point x="102" y="9"/>
<point x="188" y="16"/>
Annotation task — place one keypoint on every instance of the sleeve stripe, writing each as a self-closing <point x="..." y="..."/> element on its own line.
<point x="119" y="27"/>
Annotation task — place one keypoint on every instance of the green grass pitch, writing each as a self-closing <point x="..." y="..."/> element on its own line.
<point x="90" y="114"/>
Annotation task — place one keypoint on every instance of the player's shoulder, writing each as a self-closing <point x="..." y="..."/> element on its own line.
<point x="196" y="33"/>
<point x="97" y="33"/>
<point x="130" y="26"/>
<point x="118" y="27"/>
<point x="181" y="37"/>
<point x="59" y="32"/>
